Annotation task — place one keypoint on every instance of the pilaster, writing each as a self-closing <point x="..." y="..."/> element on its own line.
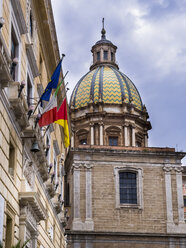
<point x="89" y="224"/>
<point x="101" y="133"/>
<point x="168" y="189"/>
<point x="77" y="223"/>
<point x="92" y="133"/>
<point x="126" y="143"/>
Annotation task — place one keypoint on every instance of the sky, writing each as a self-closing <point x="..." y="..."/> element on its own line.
<point x="151" y="40"/>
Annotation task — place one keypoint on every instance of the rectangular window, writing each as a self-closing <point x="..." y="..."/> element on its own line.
<point x="9" y="230"/>
<point x="184" y="202"/>
<point x="11" y="167"/>
<point x="29" y="91"/>
<point x="105" y="55"/>
<point x="14" y="55"/>
<point x="128" y="188"/>
<point x="113" y="141"/>
<point x="98" y="56"/>
<point x="67" y="192"/>
<point x="31" y="25"/>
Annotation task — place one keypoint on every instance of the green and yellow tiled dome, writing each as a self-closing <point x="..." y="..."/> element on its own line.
<point x="105" y="84"/>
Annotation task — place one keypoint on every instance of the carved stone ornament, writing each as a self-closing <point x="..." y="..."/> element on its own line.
<point x="178" y="169"/>
<point x="77" y="166"/>
<point x="28" y="172"/>
<point x="88" y="166"/>
<point x="167" y="168"/>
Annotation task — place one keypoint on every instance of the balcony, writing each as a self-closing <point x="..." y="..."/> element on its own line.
<point x="34" y="201"/>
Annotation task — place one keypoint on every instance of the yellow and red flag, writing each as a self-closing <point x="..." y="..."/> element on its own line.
<point x="52" y="115"/>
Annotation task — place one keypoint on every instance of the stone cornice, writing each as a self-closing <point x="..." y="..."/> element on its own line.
<point x="133" y="151"/>
<point x="119" y="234"/>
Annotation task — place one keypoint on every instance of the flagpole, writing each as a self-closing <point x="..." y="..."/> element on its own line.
<point x="46" y="130"/>
<point x="63" y="55"/>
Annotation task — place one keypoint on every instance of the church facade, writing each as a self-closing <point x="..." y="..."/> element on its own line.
<point x="119" y="192"/>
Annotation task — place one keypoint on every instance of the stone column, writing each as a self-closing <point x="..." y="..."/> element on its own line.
<point x="101" y="133"/>
<point x="72" y="139"/>
<point x="168" y="190"/>
<point x="180" y="194"/>
<point x="133" y="136"/>
<point x="89" y="224"/>
<point x="92" y="133"/>
<point x="126" y="140"/>
<point x="146" y="140"/>
<point x="77" y="223"/>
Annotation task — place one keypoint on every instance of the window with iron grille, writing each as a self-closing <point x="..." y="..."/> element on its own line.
<point x="128" y="188"/>
<point x="113" y="141"/>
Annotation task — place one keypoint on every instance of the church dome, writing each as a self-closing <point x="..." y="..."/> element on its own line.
<point x="105" y="84"/>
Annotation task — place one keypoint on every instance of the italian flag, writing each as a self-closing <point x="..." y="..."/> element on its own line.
<point x="52" y="115"/>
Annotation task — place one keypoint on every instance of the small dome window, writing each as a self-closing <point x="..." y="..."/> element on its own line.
<point x="105" y="55"/>
<point x="83" y="142"/>
<point x="112" y="56"/>
<point x="98" y="56"/>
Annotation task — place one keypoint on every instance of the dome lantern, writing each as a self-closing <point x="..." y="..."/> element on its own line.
<point x="103" y="51"/>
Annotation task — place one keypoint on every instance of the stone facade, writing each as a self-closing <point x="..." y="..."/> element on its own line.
<point x="31" y="183"/>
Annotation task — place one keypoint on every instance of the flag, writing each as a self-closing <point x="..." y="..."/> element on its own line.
<point x="52" y="115"/>
<point x="62" y="119"/>
<point x="49" y="114"/>
<point x="52" y="84"/>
